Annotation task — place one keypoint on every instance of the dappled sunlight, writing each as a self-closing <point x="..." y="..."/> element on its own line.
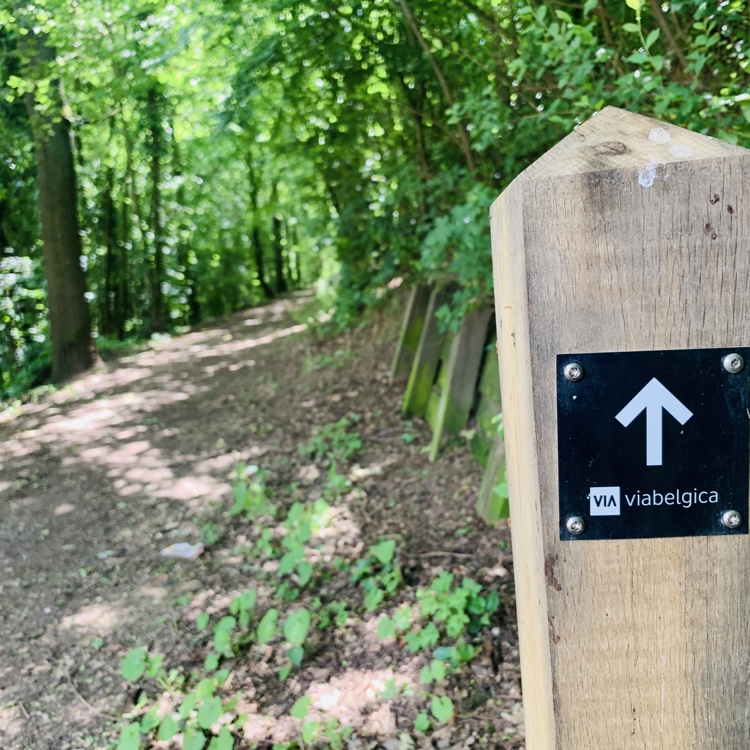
<point x="97" y="619"/>
<point x="192" y="488"/>
<point x="13" y="717"/>
<point x="241" y="344"/>
<point x="353" y="698"/>
<point x="114" y="480"/>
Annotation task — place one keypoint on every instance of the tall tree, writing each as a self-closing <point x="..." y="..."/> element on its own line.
<point x="70" y="319"/>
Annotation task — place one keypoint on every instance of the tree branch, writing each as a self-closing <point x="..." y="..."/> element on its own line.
<point x="463" y="134"/>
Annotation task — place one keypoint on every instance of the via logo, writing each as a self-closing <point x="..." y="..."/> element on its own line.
<point x="604" y="501"/>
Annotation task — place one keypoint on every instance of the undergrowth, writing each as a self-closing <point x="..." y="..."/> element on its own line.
<point x="290" y="606"/>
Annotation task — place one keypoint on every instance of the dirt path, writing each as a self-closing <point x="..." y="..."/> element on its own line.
<point x="97" y="479"/>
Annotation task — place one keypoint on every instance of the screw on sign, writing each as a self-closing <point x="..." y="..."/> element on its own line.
<point x="733" y="363"/>
<point x="575" y="525"/>
<point x="573" y="372"/>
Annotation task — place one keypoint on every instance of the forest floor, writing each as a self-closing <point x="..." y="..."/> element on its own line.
<point x="99" y="477"/>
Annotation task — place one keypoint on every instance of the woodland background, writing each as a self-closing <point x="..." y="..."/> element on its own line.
<point x="167" y="162"/>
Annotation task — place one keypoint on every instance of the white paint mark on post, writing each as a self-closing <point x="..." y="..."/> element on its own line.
<point x="647" y="175"/>
<point x="659" y="135"/>
<point x="681" y="152"/>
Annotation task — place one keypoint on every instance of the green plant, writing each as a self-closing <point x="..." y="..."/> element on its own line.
<point x="330" y="731"/>
<point x="250" y="496"/>
<point x="379" y="573"/>
<point x="295" y="629"/>
<point x="210" y="533"/>
<point x="334" y="613"/>
<point x="298" y="527"/>
<point x="334" y="441"/>
<point x="194" y="712"/>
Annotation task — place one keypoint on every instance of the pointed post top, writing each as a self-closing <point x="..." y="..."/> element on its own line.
<point x="617" y="139"/>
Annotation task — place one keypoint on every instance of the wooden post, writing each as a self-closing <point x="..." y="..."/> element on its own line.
<point x="453" y="393"/>
<point x="490" y="505"/>
<point x="489" y="405"/>
<point x="411" y="332"/>
<point x="628" y="236"/>
<point x="426" y="359"/>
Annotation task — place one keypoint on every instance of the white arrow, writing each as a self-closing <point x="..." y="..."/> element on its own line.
<point x="654" y="397"/>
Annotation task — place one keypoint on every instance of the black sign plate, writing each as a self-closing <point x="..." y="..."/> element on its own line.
<point x="653" y="444"/>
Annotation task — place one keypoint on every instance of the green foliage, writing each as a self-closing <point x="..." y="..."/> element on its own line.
<point x="379" y="573"/>
<point x="334" y="441"/>
<point x="24" y="329"/>
<point x="441" y="708"/>
<point x="198" y="708"/>
<point x="250" y="496"/>
<point x="231" y="151"/>
<point x="444" y="624"/>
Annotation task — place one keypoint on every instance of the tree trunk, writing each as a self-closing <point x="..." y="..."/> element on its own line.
<point x="109" y="230"/>
<point x="256" y="236"/>
<point x="156" y="274"/>
<point x="278" y="257"/>
<point x="69" y="315"/>
<point x="183" y="254"/>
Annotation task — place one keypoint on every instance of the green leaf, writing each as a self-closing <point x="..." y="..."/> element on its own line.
<point x="193" y="739"/>
<point x="244" y="602"/>
<point x="443" y="653"/>
<point x="390" y="690"/>
<point x="222" y="676"/>
<point x="168" y="728"/>
<point x="636" y="5"/>
<point x="295" y="655"/>
<point x="437" y="668"/>
<point x="631" y="28"/>
<point x="386" y="628"/>
<point x="309" y="731"/>
<point x="425" y="675"/>
<point x="402" y="618"/>
<point x="224" y="741"/>
<point x="289" y="561"/>
<point x="134" y="664"/>
<point x="211" y="662"/>
<point x="422" y="722"/>
<point x="267" y="626"/>
<point x="383" y="552"/>
<point x="296" y="626"/>
<point x="304" y="572"/>
<point x="130" y="737"/>
<point x="223" y="634"/>
<point x="441" y="707"/>
<point x="154" y="665"/>
<point x="149" y="720"/>
<point x="492" y="602"/>
<point x="201" y="621"/>
<point x="187" y="705"/>
<point x="209" y="713"/>
<point x="301" y="707"/>
<point x="652" y="37"/>
<point x="205" y="688"/>
<point x="373" y="598"/>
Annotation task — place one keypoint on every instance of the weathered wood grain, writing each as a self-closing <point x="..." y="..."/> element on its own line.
<point x="629" y="235"/>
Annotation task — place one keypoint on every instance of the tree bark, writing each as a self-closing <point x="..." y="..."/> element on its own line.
<point x="69" y="315"/>
<point x="256" y="236"/>
<point x="278" y="257"/>
<point x="156" y="273"/>
<point x="183" y="254"/>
